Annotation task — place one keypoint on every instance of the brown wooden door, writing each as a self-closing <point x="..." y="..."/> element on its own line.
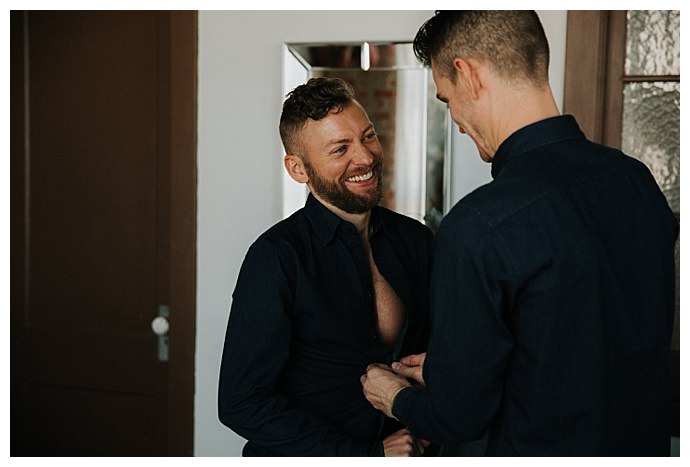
<point x="102" y="227"/>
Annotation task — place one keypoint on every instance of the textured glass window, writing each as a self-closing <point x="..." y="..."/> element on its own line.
<point x="651" y="132"/>
<point x="653" y="43"/>
<point x="651" y="109"/>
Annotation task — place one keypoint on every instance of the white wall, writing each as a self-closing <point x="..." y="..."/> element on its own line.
<point x="239" y="157"/>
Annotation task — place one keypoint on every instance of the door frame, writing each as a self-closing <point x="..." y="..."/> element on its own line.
<point x="183" y="226"/>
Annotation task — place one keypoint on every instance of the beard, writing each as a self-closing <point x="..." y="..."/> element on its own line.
<point x="339" y="196"/>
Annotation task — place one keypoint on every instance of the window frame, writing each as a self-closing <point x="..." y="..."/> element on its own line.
<point x="595" y="73"/>
<point x="593" y="94"/>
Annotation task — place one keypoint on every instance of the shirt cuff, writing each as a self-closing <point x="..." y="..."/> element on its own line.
<point x="399" y="401"/>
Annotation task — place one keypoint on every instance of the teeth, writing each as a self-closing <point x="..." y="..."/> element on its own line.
<point x="361" y="178"/>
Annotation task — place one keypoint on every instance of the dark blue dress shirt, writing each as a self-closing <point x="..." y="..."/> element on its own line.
<point x="552" y="305"/>
<point x="302" y="331"/>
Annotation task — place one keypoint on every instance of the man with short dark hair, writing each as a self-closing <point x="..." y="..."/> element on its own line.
<point x="553" y="285"/>
<point x="340" y="283"/>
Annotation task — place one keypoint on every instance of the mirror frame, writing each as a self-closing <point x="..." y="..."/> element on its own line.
<point x="302" y="61"/>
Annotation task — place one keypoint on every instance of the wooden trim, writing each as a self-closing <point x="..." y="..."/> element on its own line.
<point x="650" y="78"/>
<point x="183" y="215"/>
<point x="17" y="166"/>
<point x="17" y="222"/>
<point x="585" y="70"/>
<point x="615" y="71"/>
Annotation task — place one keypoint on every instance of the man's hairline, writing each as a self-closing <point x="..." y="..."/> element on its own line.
<point x="297" y="145"/>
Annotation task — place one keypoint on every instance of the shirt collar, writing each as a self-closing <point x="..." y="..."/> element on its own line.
<point x="326" y="223"/>
<point x="541" y="133"/>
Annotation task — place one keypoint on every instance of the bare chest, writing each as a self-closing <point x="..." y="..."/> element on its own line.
<point x="390" y="312"/>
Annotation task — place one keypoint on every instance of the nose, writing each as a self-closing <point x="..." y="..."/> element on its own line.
<point x="364" y="155"/>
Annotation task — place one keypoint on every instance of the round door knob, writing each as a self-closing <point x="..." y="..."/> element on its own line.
<point x="160" y="326"/>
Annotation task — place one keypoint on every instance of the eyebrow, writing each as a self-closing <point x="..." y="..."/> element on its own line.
<point x="338" y="141"/>
<point x="347" y="140"/>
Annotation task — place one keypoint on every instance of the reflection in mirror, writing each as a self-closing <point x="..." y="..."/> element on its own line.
<point x="399" y="97"/>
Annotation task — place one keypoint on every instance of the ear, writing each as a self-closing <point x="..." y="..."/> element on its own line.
<point x="295" y="168"/>
<point x="468" y="72"/>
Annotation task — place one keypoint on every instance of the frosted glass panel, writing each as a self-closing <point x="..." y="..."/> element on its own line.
<point x="651" y="126"/>
<point x="653" y="43"/>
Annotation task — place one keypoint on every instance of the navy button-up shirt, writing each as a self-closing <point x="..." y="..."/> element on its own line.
<point x="302" y="331"/>
<point x="552" y="305"/>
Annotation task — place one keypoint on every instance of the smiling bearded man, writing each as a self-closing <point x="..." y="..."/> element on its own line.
<point x="337" y="192"/>
<point x="338" y="284"/>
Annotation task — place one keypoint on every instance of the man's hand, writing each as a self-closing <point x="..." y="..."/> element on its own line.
<point x="403" y="444"/>
<point x="380" y="387"/>
<point x="411" y="367"/>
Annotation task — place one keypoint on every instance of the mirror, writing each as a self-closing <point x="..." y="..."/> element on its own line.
<point x="399" y="96"/>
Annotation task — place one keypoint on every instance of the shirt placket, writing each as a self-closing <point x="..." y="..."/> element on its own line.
<point x="365" y="317"/>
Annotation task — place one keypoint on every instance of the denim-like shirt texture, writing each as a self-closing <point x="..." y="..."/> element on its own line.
<point x="553" y="292"/>
<point x="302" y="330"/>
